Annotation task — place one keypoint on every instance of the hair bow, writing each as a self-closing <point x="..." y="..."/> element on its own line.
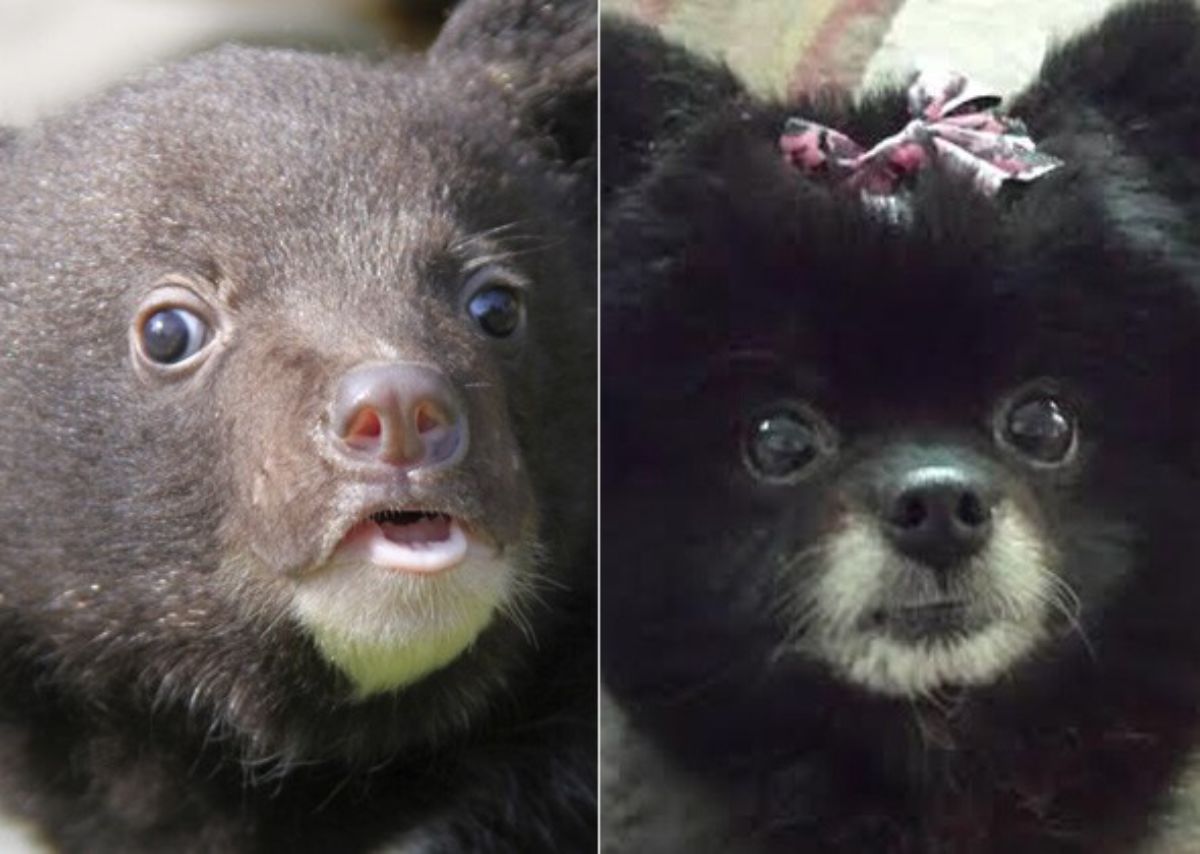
<point x="954" y="122"/>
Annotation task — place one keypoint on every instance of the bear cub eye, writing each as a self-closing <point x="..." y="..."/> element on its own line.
<point x="173" y="334"/>
<point x="496" y="306"/>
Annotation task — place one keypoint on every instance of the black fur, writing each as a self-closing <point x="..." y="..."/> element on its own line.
<point x="154" y="697"/>
<point x="730" y="280"/>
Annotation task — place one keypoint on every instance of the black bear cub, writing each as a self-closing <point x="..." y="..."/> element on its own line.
<point x="900" y="459"/>
<point x="297" y="451"/>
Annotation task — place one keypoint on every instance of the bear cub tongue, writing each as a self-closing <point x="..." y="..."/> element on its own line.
<point x="407" y="542"/>
<point x="427" y="530"/>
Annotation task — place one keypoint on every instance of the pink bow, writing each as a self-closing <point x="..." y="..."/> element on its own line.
<point x="953" y="122"/>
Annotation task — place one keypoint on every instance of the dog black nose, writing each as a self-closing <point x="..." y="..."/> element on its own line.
<point x="938" y="517"/>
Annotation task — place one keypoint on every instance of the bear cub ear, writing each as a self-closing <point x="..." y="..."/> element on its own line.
<point x="539" y="58"/>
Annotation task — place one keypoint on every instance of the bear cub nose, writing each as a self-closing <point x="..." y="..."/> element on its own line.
<point x="401" y="415"/>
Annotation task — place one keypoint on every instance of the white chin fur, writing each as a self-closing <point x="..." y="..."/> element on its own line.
<point x="386" y="629"/>
<point x="890" y="667"/>
<point x="860" y="566"/>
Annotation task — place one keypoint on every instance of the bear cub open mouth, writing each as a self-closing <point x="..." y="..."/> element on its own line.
<point x="417" y="541"/>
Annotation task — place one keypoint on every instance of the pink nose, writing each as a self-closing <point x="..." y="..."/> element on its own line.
<point x="399" y="414"/>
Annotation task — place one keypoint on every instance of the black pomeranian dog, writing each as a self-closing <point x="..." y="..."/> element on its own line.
<point x="900" y="460"/>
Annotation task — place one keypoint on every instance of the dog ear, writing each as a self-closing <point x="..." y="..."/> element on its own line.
<point x="1139" y="68"/>
<point x="540" y="59"/>
<point x="654" y="92"/>
<point x="1122" y="100"/>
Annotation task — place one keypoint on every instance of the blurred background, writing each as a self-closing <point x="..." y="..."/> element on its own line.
<point x="55" y="51"/>
<point x="781" y="46"/>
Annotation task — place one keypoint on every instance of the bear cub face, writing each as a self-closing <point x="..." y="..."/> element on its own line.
<point x="304" y="360"/>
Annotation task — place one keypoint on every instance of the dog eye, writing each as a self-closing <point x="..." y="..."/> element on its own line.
<point x="497" y="309"/>
<point x="781" y="444"/>
<point x="173" y="334"/>
<point x="1041" y="427"/>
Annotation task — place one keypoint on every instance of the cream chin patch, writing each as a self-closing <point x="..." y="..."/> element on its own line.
<point x="887" y="666"/>
<point x="386" y="629"/>
<point x="859" y="567"/>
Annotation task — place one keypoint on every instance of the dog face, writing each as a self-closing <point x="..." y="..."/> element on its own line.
<point x="896" y="492"/>
<point x="903" y="454"/>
